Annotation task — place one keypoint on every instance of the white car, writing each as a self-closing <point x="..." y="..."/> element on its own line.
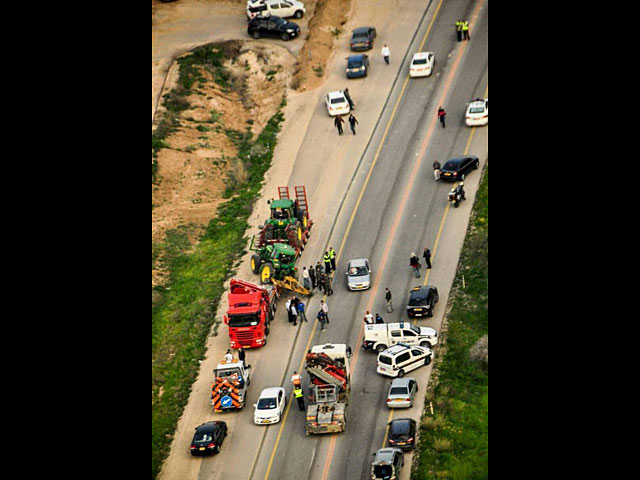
<point x="401" y="358"/>
<point x="279" y="8"/>
<point x="337" y="104"/>
<point x="477" y="113"/>
<point x="270" y="406"/>
<point x="422" y="64"/>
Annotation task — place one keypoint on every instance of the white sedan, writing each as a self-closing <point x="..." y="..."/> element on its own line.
<point x="270" y="406"/>
<point x="477" y="113"/>
<point x="422" y="64"/>
<point x="337" y="104"/>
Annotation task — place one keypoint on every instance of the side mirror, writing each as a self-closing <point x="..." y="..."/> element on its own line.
<point x="255" y="405"/>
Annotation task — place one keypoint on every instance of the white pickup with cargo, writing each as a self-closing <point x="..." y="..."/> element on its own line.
<point x="381" y="336"/>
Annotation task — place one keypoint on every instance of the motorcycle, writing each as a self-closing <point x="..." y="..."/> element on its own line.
<point x="456" y="196"/>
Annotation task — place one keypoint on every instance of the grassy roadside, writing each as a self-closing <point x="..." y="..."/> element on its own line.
<point x="454" y="439"/>
<point x="184" y="309"/>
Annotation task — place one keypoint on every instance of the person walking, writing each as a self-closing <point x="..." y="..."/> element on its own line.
<point x="338" y="123"/>
<point x="294" y="312"/>
<point x="288" y="307"/>
<point x="301" y="313"/>
<point x="459" y="30"/>
<point x="465" y="30"/>
<point x="326" y="281"/>
<point x="427" y="257"/>
<point x="442" y="115"/>
<point x="368" y="318"/>
<point x="312" y="277"/>
<point x="306" y="279"/>
<point x="327" y="263"/>
<point x="387" y="297"/>
<point x="353" y="121"/>
<point x="415" y="264"/>
<point x="347" y="95"/>
<point x="437" y="169"/>
<point x="242" y="356"/>
<point x="325" y="309"/>
<point x="332" y="257"/>
<point x="300" y="398"/>
<point x="386" y="53"/>
<point x="322" y="318"/>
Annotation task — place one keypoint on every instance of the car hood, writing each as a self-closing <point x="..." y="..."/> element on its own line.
<point x="428" y="332"/>
<point x="263" y="414"/>
<point x="360" y="279"/>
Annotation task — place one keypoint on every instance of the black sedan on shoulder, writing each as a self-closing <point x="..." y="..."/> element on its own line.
<point x="362" y="38"/>
<point x="422" y="301"/>
<point x="208" y="438"/>
<point x="458" y="168"/>
<point x="273" y="27"/>
<point x="402" y="434"/>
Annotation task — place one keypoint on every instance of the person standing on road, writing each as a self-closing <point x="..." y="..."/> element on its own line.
<point x="347" y="95"/>
<point x="387" y="297"/>
<point x="415" y="264"/>
<point x="312" y="277"/>
<point x="427" y="257"/>
<point x="242" y="356"/>
<point x="368" y="318"/>
<point x="322" y="318"/>
<point x="441" y="115"/>
<point x="318" y="273"/>
<point x="338" y="123"/>
<point x="301" y="312"/>
<point x="327" y="263"/>
<point x="459" y="30"/>
<point x="294" y="312"/>
<point x="296" y="380"/>
<point x="465" y="30"/>
<point x="306" y="279"/>
<point x="325" y="309"/>
<point x="300" y="398"/>
<point x="352" y="123"/>
<point x="326" y="281"/>
<point x="386" y="53"/>
<point x="437" y="168"/>
<point x="379" y="319"/>
<point x="228" y="357"/>
<point x="332" y="257"/>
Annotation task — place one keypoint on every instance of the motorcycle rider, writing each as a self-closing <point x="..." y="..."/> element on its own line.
<point x="460" y="191"/>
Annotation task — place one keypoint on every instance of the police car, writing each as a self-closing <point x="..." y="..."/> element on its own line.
<point x="402" y="358"/>
<point x="477" y="113"/>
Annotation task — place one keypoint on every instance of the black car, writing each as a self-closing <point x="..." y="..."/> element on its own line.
<point x="458" y="168"/>
<point x="402" y="434"/>
<point x="272" y="26"/>
<point x="422" y="301"/>
<point x="208" y="438"/>
<point x="362" y="38"/>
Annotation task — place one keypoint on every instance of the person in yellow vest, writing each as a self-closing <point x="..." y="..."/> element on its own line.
<point x="300" y="398"/>
<point x="327" y="263"/>
<point x="459" y="30"/>
<point x="465" y="30"/>
<point x="332" y="257"/>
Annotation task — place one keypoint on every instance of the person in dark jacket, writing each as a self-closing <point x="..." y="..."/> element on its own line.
<point x="441" y="116"/>
<point x="427" y="257"/>
<point x="352" y="105"/>
<point x="312" y="275"/>
<point x="414" y="261"/>
<point x="352" y="123"/>
<point x="387" y="297"/>
<point x="338" y="123"/>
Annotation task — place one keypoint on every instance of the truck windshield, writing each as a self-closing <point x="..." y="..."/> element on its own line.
<point x="243" y="320"/>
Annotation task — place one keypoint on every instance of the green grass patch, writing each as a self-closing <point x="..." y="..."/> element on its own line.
<point x="454" y="442"/>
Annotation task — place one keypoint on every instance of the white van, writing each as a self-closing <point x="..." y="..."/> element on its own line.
<point x="400" y="359"/>
<point x="381" y="336"/>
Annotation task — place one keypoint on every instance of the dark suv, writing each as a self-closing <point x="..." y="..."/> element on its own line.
<point x="273" y="27"/>
<point x="422" y="301"/>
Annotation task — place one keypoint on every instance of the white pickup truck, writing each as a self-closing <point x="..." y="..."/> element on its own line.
<point x="381" y="336"/>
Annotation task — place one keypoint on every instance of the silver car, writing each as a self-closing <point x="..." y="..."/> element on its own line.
<point x="359" y="274"/>
<point x="402" y="392"/>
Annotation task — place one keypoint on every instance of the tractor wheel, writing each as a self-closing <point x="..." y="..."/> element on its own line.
<point x="256" y="261"/>
<point x="266" y="273"/>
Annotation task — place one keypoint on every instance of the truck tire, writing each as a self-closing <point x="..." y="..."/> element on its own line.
<point x="401" y="372"/>
<point x="256" y="261"/>
<point x="425" y="344"/>
<point x="381" y="348"/>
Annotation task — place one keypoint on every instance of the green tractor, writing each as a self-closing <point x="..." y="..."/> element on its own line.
<point x="275" y="261"/>
<point x="289" y="221"/>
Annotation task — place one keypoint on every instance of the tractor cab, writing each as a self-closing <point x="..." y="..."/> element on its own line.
<point x="282" y="211"/>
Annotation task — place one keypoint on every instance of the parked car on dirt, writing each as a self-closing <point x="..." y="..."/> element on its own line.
<point x="273" y="26"/>
<point x="208" y="438"/>
<point x="279" y="8"/>
<point x="422" y="64"/>
<point x="458" y="168"/>
<point x="362" y="38"/>
<point x="337" y="104"/>
<point x="357" y="66"/>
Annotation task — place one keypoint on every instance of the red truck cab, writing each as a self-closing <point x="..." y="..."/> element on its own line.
<point x="251" y="310"/>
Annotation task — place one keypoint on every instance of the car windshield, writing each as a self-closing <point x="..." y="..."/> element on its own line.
<point x="267" y="404"/>
<point x="382" y="471"/>
<point x="337" y="100"/>
<point x="286" y="259"/>
<point x="243" y="320"/>
<point x="399" y="391"/>
<point x="203" y="437"/>
<point x="419" y="61"/>
<point x="358" y="271"/>
<point x="415" y="329"/>
<point x="385" y="360"/>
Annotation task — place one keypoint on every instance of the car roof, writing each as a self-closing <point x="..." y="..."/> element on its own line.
<point x="361" y="30"/>
<point x="477" y="103"/>
<point x="386" y="454"/>
<point x="401" y="382"/>
<point x="421" y="292"/>
<point x="399" y="348"/>
<point x="336" y="94"/>
<point x="402" y="424"/>
<point x="359" y="56"/>
<point x="422" y="54"/>
<point x="270" y="392"/>
<point x="358" y="262"/>
<point x="208" y="427"/>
